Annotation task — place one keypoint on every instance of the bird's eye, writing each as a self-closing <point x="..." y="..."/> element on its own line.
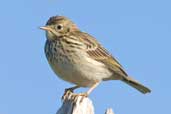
<point x="59" y="27"/>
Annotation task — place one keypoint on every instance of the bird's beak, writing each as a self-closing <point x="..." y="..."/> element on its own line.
<point x="50" y="30"/>
<point x="45" y="28"/>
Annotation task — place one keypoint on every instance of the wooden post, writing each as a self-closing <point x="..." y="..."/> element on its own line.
<point x="78" y="105"/>
<point x="109" y="111"/>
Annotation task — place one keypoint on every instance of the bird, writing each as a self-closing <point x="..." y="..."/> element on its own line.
<point x="78" y="58"/>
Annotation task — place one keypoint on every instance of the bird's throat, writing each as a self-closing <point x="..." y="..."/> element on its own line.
<point x="50" y="35"/>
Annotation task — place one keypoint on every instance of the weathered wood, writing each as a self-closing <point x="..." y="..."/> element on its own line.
<point x="78" y="105"/>
<point x="109" y="111"/>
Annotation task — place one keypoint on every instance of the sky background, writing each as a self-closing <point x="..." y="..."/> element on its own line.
<point x="137" y="33"/>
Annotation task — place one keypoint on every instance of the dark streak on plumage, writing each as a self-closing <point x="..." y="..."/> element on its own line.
<point x="55" y="19"/>
<point x="69" y="42"/>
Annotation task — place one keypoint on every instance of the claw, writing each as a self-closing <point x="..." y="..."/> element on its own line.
<point x="69" y="89"/>
<point x="66" y="94"/>
<point x="75" y="97"/>
<point x="84" y="95"/>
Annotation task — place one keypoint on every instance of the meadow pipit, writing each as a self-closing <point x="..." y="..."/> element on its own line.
<point x="77" y="57"/>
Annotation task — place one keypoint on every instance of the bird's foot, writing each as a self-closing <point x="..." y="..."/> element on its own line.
<point x="69" y="95"/>
<point x="75" y="96"/>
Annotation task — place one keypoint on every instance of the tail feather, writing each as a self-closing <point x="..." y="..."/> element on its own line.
<point x="136" y="85"/>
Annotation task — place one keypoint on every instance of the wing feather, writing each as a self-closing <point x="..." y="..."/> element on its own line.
<point x="99" y="53"/>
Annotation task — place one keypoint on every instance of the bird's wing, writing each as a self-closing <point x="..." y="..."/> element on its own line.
<point x="99" y="53"/>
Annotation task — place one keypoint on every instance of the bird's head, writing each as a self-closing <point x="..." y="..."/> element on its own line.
<point x="58" y="26"/>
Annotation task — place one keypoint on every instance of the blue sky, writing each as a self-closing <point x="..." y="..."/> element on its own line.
<point x="137" y="33"/>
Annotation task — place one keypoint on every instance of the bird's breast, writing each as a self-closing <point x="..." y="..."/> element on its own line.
<point x="76" y="67"/>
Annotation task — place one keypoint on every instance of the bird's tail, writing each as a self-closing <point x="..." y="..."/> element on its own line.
<point x="136" y="85"/>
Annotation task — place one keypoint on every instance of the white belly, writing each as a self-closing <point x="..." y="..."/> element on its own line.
<point x="84" y="73"/>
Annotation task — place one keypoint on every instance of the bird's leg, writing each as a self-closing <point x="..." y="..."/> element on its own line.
<point x="86" y="94"/>
<point x="71" y="89"/>
<point x="92" y="88"/>
<point x="68" y="91"/>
